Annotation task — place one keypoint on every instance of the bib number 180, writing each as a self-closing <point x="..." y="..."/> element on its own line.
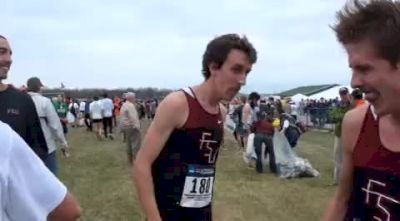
<point x="201" y="185"/>
<point x="198" y="188"/>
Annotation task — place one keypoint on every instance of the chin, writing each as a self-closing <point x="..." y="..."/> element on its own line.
<point x="380" y="110"/>
<point x="229" y="97"/>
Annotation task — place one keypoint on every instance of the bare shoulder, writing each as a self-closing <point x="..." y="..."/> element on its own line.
<point x="173" y="108"/>
<point x="351" y="126"/>
<point x="174" y="100"/>
<point x="355" y="117"/>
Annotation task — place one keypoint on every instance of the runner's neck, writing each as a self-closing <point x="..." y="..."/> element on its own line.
<point x="3" y="87"/>
<point x="206" y="95"/>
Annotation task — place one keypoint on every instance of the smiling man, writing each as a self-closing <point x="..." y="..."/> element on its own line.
<point x="175" y="169"/>
<point x="17" y="109"/>
<point x="369" y="187"/>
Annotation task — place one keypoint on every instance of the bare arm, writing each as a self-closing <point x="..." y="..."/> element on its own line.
<point x="351" y="127"/>
<point x="246" y="113"/>
<point x="172" y="113"/>
<point x="68" y="210"/>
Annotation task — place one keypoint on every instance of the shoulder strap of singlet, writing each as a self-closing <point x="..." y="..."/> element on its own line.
<point x="372" y="109"/>
<point x="370" y="118"/>
<point x="369" y="115"/>
<point x="189" y="91"/>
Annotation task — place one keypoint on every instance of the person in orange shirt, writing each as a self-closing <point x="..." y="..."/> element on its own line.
<point x="117" y="108"/>
<point x="357" y="96"/>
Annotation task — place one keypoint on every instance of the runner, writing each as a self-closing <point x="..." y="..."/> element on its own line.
<point x="96" y="110"/>
<point x="175" y="169"/>
<point x="108" y="109"/>
<point x="369" y="186"/>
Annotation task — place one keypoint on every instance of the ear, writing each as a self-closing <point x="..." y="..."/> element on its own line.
<point x="213" y="67"/>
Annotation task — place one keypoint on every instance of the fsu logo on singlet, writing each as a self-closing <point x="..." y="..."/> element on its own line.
<point x="206" y="148"/>
<point x="378" y="200"/>
<point x="375" y="196"/>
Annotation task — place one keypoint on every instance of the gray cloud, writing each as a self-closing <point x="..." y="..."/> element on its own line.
<point x="156" y="43"/>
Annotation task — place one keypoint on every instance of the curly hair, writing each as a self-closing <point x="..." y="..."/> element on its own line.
<point x="218" y="49"/>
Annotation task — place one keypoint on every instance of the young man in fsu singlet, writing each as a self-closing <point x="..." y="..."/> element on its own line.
<point x="174" y="170"/>
<point x="369" y="187"/>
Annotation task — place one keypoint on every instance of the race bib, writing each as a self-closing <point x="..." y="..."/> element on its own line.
<point x="198" y="189"/>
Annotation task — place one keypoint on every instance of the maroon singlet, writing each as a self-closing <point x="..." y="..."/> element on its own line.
<point x="376" y="177"/>
<point x="184" y="172"/>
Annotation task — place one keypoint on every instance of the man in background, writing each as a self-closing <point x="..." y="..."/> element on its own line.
<point x="130" y="125"/>
<point x="49" y="122"/>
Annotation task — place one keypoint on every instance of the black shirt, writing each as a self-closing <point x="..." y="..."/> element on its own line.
<point x="18" y="110"/>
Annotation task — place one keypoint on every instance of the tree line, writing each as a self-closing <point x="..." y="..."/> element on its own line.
<point x="141" y="93"/>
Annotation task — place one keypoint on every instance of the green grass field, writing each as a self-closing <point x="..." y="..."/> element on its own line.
<point x="98" y="174"/>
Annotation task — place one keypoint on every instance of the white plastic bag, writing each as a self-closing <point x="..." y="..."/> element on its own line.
<point x="250" y="151"/>
<point x="230" y="125"/>
<point x="70" y="117"/>
<point x="288" y="163"/>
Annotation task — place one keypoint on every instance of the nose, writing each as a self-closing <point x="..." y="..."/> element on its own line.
<point x="242" y="79"/>
<point x="356" y="80"/>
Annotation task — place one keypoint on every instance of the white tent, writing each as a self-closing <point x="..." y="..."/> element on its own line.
<point x="331" y="93"/>
<point x="297" y="97"/>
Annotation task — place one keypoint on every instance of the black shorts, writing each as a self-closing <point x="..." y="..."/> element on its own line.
<point x="97" y="120"/>
<point x="184" y="214"/>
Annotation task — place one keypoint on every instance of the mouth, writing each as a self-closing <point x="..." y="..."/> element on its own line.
<point x="5" y="68"/>
<point x="371" y="96"/>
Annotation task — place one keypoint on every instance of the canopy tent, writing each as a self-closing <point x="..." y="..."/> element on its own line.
<point x="298" y="97"/>
<point x="331" y="93"/>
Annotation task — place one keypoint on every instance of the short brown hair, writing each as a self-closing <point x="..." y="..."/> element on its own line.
<point x="218" y="49"/>
<point x="377" y="21"/>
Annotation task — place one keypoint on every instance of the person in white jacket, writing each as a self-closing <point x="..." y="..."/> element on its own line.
<point x="50" y="123"/>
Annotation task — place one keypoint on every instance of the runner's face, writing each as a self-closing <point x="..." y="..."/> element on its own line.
<point x="5" y="58"/>
<point x="376" y="77"/>
<point x="231" y="76"/>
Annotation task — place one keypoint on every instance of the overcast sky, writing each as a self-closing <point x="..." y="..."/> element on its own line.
<point x="158" y="43"/>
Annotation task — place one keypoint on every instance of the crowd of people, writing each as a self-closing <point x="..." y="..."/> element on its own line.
<point x="175" y="166"/>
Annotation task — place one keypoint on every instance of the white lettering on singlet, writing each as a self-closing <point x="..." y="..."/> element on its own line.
<point x="205" y="144"/>
<point x="380" y="197"/>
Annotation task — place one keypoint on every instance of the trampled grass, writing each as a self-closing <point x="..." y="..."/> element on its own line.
<point x="98" y="174"/>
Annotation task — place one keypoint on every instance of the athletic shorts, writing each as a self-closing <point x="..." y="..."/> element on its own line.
<point x="97" y="120"/>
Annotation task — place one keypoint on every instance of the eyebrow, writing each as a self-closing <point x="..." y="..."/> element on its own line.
<point x="360" y="66"/>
